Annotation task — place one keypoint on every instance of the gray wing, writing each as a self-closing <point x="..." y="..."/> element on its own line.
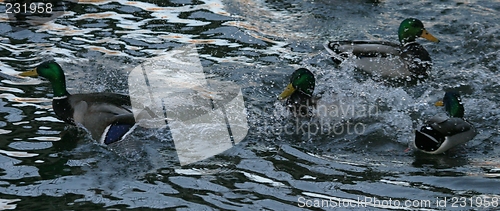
<point x="364" y="48"/>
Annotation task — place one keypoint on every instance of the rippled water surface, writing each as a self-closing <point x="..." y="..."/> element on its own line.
<point x="280" y="165"/>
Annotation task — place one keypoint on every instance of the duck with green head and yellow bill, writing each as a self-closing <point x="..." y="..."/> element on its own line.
<point x="328" y="105"/>
<point x="107" y="116"/>
<point x="440" y="133"/>
<point x="299" y="92"/>
<point x="388" y="59"/>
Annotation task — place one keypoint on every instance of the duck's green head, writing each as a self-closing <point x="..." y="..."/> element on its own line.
<point x="302" y="81"/>
<point x="452" y="104"/>
<point x="54" y="73"/>
<point x="412" y="28"/>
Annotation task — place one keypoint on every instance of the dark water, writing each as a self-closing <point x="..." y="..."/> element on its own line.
<point x="280" y="165"/>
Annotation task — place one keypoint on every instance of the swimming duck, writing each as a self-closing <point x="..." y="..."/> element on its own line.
<point x="106" y="116"/>
<point x="387" y="59"/>
<point x="301" y="101"/>
<point x="299" y="92"/>
<point x="441" y="133"/>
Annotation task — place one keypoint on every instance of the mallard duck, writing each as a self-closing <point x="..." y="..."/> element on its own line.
<point x="387" y="59"/>
<point x="301" y="101"/>
<point x="441" y="133"/>
<point x="106" y="116"/>
<point x="298" y="93"/>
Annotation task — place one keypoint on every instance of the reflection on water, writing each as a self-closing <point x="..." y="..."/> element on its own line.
<point x="257" y="45"/>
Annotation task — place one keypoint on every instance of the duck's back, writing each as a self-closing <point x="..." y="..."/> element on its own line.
<point x="92" y="107"/>
<point x="375" y="57"/>
<point x="383" y="58"/>
<point x="361" y="48"/>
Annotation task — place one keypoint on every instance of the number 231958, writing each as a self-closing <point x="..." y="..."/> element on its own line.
<point x="33" y="8"/>
<point x="474" y="202"/>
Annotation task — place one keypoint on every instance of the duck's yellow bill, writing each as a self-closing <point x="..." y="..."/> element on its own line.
<point x="439" y="103"/>
<point x="32" y="73"/>
<point x="425" y="34"/>
<point x="289" y="90"/>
